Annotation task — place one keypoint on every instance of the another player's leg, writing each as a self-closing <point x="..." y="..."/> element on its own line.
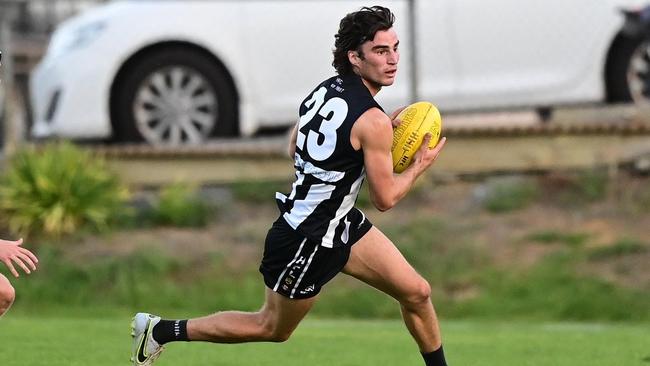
<point x="375" y="260"/>
<point x="7" y="294"/>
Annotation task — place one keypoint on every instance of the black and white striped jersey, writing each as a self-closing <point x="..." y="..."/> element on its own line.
<point x="329" y="172"/>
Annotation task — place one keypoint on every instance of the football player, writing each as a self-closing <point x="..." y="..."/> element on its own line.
<point x="342" y="137"/>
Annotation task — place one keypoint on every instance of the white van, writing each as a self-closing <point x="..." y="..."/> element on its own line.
<point x="172" y="72"/>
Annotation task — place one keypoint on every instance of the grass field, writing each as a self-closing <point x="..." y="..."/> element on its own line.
<point x="29" y="341"/>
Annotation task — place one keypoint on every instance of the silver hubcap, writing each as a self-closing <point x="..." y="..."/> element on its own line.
<point x="174" y="106"/>
<point x="638" y="74"/>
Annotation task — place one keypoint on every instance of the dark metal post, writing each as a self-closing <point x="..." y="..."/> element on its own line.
<point x="13" y="125"/>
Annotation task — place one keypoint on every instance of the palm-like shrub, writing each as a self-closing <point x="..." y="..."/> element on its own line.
<point x="180" y="205"/>
<point x="57" y="190"/>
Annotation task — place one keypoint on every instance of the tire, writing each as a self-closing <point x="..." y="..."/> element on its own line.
<point x="174" y="96"/>
<point x="628" y="71"/>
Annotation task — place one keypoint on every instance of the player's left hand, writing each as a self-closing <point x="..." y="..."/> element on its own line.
<point x="393" y="117"/>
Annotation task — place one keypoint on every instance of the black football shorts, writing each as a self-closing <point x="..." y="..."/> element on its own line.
<point x="297" y="267"/>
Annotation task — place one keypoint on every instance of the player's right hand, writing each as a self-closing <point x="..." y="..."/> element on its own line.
<point x="425" y="156"/>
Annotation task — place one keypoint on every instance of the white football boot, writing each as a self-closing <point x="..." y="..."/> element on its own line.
<point x="145" y="349"/>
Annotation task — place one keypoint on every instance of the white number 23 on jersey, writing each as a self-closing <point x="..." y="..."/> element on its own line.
<point x="317" y="105"/>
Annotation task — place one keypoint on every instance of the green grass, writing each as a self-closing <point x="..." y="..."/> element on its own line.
<point x="28" y="341"/>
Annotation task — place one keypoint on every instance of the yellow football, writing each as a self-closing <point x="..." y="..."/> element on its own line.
<point x="417" y="119"/>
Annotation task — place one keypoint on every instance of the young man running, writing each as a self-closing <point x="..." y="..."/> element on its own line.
<point x="342" y="137"/>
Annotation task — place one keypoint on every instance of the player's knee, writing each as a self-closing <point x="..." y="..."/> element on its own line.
<point x="280" y="337"/>
<point x="273" y="334"/>
<point x="419" y="294"/>
<point x="7" y="297"/>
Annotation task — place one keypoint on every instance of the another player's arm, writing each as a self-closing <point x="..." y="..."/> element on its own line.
<point x="373" y="133"/>
<point x="292" y="141"/>
<point x="11" y="252"/>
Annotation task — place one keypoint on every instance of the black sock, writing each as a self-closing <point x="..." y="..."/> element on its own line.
<point x="170" y="331"/>
<point x="435" y="358"/>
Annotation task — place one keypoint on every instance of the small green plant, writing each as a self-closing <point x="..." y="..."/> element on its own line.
<point x="510" y="195"/>
<point x="262" y="191"/>
<point x="618" y="249"/>
<point x="639" y="199"/>
<point x="180" y="205"/>
<point x="363" y="199"/>
<point x="585" y="187"/>
<point x="58" y="190"/>
<point x="550" y="237"/>
<point x="592" y="185"/>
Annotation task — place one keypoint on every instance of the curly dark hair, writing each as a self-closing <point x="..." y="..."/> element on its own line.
<point x="355" y="29"/>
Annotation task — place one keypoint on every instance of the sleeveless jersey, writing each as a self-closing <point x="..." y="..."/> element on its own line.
<point x="329" y="172"/>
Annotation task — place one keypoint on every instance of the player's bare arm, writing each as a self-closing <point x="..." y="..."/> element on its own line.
<point x="373" y="132"/>
<point x="292" y="142"/>
<point x="11" y="253"/>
